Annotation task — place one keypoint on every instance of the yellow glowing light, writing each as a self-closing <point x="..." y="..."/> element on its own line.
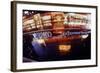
<point x="64" y="49"/>
<point x="41" y="41"/>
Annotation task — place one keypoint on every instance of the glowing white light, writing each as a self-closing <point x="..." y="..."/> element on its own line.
<point x="25" y="12"/>
<point x="84" y="36"/>
<point x="32" y="12"/>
